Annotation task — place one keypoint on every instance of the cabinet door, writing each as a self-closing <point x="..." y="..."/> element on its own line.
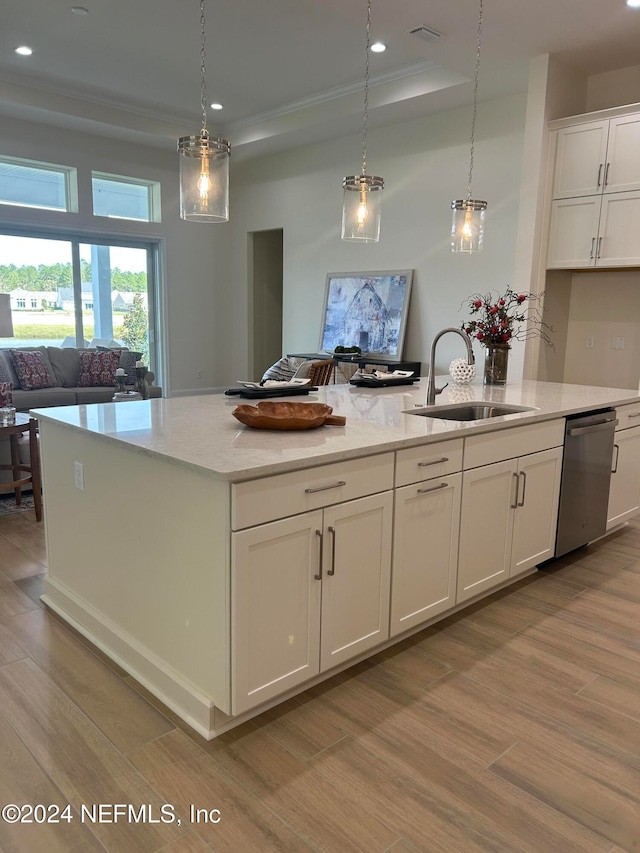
<point x="624" y="493"/>
<point x="275" y="616"/>
<point x="622" y="172"/>
<point x="486" y="527"/>
<point x="425" y="551"/>
<point x="580" y="159"/>
<point x="618" y="244"/>
<point x="573" y="233"/>
<point x="356" y="578"/>
<point x="536" y="514"/>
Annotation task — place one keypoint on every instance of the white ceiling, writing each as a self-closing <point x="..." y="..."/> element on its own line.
<point x="287" y="71"/>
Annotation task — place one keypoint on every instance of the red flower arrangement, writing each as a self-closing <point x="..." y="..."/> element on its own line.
<point x="494" y="319"/>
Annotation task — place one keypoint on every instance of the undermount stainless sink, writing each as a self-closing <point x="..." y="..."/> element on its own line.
<point x="474" y="411"/>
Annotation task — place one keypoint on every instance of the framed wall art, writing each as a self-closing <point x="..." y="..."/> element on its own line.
<point x="366" y="310"/>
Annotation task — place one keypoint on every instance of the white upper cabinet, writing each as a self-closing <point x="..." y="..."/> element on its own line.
<point x="598" y="157"/>
<point x="595" y="213"/>
<point x="622" y="170"/>
<point x="580" y="159"/>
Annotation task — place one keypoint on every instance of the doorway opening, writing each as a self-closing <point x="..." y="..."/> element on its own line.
<point x="265" y="266"/>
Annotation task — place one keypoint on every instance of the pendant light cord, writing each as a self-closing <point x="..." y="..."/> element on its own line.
<point x="365" y="120"/>
<point x="203" y="69"/>
<point x="475" y="101"/>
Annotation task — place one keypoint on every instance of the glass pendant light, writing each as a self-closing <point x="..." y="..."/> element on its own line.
<point x="362" y="200"/>
<point x="467" y="229"/>
<point x="204" y="162"/>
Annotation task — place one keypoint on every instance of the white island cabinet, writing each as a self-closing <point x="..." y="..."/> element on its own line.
<point x="426" y="527"/>
<point x="624" y="492"/>
<point x="227" y="569"/>
<point x="310" y="591"/>
<point x="509" y="508"/>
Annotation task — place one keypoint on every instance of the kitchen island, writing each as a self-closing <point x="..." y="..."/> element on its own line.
<point x="227" y="568"/>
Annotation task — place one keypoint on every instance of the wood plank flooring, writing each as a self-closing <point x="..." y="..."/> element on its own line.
<point x="512" y="726"/>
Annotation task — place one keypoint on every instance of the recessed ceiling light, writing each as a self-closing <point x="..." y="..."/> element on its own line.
<point x="633" y="3"/>
<point x="79" y="10"/>
<point x="23" y="50"/>
<point x="380" y="47"/>
<point x="216" y="106"/>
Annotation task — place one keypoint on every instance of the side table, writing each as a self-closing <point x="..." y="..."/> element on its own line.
<point x="24" y="423"/>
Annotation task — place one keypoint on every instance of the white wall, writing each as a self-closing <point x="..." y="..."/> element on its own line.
<point x="604" y="305"/>
<point x="424" y="163"/>
<point x="189" y="248"/>
<point x="613" y="88"/>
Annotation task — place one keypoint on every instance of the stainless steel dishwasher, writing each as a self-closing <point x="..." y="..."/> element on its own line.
<point x="586" y="476"/>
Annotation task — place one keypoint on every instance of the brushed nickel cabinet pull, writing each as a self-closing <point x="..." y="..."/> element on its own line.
<point x="599" y="174"/>
<point x="599" y="247"/>
<point x="318" y="576"/>
<point x="524" y="487"/>
<point x="593" y="243"/>
<point x="332" y="570"/>
<point x="324" y="488"/>
<point x="433" y="489"/>
<point x="614" y="470"/>
<point x="514" y="505"/>
<point x="435" y="462"/>
<point x="633" y="415"/>
<point x="606" y="175"/>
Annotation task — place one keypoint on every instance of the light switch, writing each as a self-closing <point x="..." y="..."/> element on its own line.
<point x="588" y="342"/>
<point x="617" y="343"/>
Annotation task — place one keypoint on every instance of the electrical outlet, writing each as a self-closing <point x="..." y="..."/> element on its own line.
<point x="198" y="374"/>
<point x="78" y="473"/>
<point x="588" y="342"/>
<point x="617" y="343"/>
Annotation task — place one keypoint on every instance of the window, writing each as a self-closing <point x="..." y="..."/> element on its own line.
<point x="112" y="298"/>
<point x="28" y="183"/>
<point x="125" y="198"/>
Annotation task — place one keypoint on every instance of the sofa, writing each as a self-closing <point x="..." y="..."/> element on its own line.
<point x="63" y="382"/>
<point x="64" y="372"/>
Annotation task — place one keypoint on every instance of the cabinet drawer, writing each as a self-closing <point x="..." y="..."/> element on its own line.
<point x="628" y="416"/>
<point x="510" y="443"/>
<point x="269" y="498"/>
<point x="415" y="464"/>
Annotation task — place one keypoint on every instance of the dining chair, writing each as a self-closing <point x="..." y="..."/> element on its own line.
<point x="320" y="372"/>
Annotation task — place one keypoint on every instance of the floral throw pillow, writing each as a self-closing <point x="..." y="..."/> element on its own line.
<point x="6" y="394"/>
<point x="98" y="368"/>
<point x="31" y="369"/>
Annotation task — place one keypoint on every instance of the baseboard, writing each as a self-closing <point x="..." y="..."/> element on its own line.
<point x="190" y="704"/>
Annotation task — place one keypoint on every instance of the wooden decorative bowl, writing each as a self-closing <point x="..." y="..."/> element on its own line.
<point x="281" y="415"/>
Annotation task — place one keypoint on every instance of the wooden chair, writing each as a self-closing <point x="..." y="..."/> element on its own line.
<point x="320" y="372"/>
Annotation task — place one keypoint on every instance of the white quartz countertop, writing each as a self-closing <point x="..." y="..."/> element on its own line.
<point x="200" y="432"/>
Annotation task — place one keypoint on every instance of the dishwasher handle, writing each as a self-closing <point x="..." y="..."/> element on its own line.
<point x="609" y="424"/>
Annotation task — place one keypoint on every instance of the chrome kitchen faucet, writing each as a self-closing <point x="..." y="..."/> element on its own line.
<point x="432" y="391"/>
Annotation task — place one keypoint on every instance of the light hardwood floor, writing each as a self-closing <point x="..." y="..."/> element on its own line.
<point x="513" y="726"/>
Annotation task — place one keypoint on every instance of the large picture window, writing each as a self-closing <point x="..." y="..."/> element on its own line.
<point x="75" y="292"/>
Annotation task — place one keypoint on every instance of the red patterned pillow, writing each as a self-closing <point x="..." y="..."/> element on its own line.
<point x="98" y="368"/>
<point x="31" y="369"/>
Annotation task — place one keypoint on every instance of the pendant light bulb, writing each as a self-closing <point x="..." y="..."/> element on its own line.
<point x="204" y="162"/>
<point x="362" y="198"/>
<point x="467" y="229"/>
